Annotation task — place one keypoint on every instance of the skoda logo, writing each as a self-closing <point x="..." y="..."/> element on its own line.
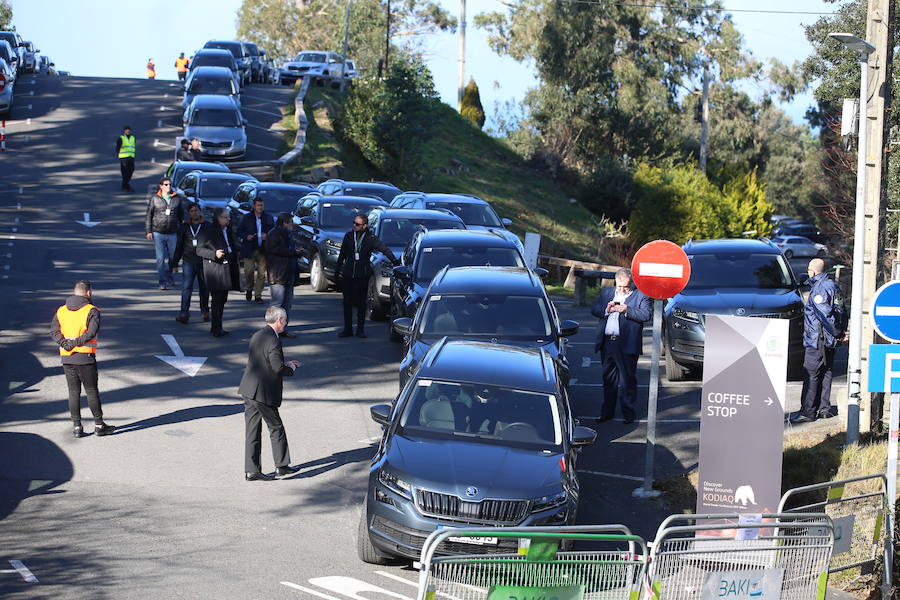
<point x="471" y="491"/>
<point x="740" y="312"/>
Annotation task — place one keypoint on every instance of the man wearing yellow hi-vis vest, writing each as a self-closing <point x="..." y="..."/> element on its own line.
<point x="74" y="329"/>
<point x="126" y="149"/>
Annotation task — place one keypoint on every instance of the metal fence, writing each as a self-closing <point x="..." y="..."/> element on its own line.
<point x="785" y="556"/>
<point x="533" y="562"/>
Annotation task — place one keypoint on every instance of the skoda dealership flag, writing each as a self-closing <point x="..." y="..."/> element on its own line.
<point x="742" y="414"/>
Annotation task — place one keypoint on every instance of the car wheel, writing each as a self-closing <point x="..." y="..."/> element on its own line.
<point x="376" y="308"/>
<point x="821" y="254"/>
<point x="789" y="254"/>
<point x="393" y="335"/>
<point x="364" y="547"/>
<point x="317" y="278"/>
<point x="675" y="371"/>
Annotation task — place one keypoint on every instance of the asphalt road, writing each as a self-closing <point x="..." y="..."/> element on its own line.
<point x="160" y="510"/>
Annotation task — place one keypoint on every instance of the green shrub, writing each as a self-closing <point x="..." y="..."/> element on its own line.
<point x="470" y="107"/>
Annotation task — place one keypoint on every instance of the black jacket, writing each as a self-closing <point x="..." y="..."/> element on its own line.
<point x="221" y="274"/>
<point x="157" y="221"/>
<point x="184" y="154"/>
<point x="281" y="256"/>
<point x="247" y="226"/>
<point x="347" y="265"/>
<point x="631" y="322"/>
<point x="185" y="248"/>
<point x="262" y="380"/>
<point x="73" y="303"/>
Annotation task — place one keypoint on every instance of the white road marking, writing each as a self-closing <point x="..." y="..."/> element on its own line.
<point x="585" y="361"/>
<point x="415" y="584"/>
<point x="616" y="475"/>
<point x="28" y="121"/>
<point x="369" y="440"/>
<point x="189" y="365"/>
<point x="352" y="588"/>
<point x="163" y="108"/>
<point x="87" y="221"/>
<point x="21" y="190"/>
<point x="31" y="93"/>
<point x="29" y="107"/>
<point x="265" y="112"/>
<point x="308" y="591"/>
<point x="263" y="147"/>
<point x="159" y="123"/>
<point x="258" y="127"/>
<point x="26" y="574"/>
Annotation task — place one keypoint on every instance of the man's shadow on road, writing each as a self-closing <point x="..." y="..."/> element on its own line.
<point x="338" y="459"/>
<point x="183" y="415"/>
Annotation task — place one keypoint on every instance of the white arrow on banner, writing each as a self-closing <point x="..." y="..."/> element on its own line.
<point x="769" y="401"/>
<point x="189" y="365"/>
<point x="87" y="221"/>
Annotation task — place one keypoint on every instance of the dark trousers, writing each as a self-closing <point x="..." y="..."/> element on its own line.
<point x="355" y="291"/>
<point x="219" y="298"/>
<point x="182" y="75"/>
<point x="190" y="273"/>
<point x="816" y="395"/>
<point x="126" y="165"/>
<point x="254" y="413"/>
<point x="78" y="376"/>
<point x="619" y="380"/>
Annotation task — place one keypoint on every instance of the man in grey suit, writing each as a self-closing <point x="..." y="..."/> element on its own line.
<point x="261" y="388"/>
<point x="622" y="311"/>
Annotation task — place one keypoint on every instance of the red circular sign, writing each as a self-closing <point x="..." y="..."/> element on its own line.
<point x="660" y="269"/>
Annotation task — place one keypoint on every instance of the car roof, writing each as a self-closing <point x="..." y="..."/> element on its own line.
<point x="222" y="42"/>
<point x="212" y="71"/>
<point x="213" y="51"/>
<point x="370" y="184"/>
<point x="457" y="198"/>
<point x="490" y="364"/>
<point x="223" y="175"/>
<point x="470" y="237"/>
<point x="732" y="245"/>
<point x="487" y="280"/>
<point x="277" y="185"/>
<point x="213" y="101"/>
<point x="352" y="200"/>
<point x="205" y="166"/>
<point x="417" y="213"/>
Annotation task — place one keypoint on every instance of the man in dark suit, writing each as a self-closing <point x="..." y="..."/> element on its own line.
<point x="219" y="250"/>
<point x="622" y="311"/>
<point x="261" y="388"/>
<point x="252" y="232"/>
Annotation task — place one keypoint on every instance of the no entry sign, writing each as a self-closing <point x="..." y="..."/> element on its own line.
<point x="660" y="269"/>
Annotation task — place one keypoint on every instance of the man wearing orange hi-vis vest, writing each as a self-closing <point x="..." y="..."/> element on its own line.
<point x="74" y="329"/>
<point x="181" y="65"/>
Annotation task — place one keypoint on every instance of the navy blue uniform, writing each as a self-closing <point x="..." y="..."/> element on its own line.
<point x="819" y="342"/>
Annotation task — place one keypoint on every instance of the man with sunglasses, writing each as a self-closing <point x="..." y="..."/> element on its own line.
<point x="353" y="271"/>
<point x="164" y="214"/>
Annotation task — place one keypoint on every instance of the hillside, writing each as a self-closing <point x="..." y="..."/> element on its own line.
<point x="460" y="158"/>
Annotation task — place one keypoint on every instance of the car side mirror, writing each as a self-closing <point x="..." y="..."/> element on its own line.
<point x="308" y="221"/>
<point x="401" y="271"/>
<point x="245" y="206"/>
<point x="506" y="222"/>
<point x="568" y="328"/>
<point x="403" y="325"/>
<point x="582" y="436"/>
<point x="243" y="121"/>
<point x="381" y="414"/>
<point x="190" y="193"/>
<point x="540" y="272"/>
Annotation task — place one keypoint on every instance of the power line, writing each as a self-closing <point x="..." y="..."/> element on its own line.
<point x="698" y="9"/>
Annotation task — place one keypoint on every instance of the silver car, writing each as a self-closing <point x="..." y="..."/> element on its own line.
<point x="6" y="92"/>
<point x="29" y="60"/>
<point x="796" y="245"/>
<point x="217" y="122"/>
<point x="217" y="81"/>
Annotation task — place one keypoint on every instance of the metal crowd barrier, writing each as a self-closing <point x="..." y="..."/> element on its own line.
<point x="515" y="563"/>
<point x="785" y="557"/>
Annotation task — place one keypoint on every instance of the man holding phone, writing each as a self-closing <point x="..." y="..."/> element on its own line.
<point x="622" y="311"/>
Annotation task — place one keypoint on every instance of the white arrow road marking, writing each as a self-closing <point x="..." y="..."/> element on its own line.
<point x="20" y="568"/>
<point x="308" y="591"/>
<point x="189" y="365"/>
<point x="87" y="221"/>
<point x="887" y="311"/>
<point x="352" y="588"/>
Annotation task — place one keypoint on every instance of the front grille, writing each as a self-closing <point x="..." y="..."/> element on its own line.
<point x="415" y="538"/>
<point x="767" y="316"/>
<point x="688" y="346"/>
<point x="216" y="144"/>
<point x="445" y="506"/>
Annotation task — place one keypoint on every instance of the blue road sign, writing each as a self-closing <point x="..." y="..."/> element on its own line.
<point x="886" y="311"/>
<point x="884" y="368"/>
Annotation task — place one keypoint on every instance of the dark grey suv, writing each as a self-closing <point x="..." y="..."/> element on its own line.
<point x="747" y="278"/>
<point x="483" y="434"/>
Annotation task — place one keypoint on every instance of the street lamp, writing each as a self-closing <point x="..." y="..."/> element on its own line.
<point x="854" y="363"/>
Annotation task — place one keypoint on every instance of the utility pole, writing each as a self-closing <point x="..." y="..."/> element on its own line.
<point x="461" y="84"/>
<point x="346" y="43"/>
<point x="387" y="36"/>
<point x="704" y="116"/>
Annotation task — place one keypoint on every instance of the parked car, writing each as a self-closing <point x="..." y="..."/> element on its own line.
<point x="29" y="58"/>
<point x="313" y="63"/>
<point x="321" y="231"/>
<point x="237" y="51"/>
<point x="430" y="251"/>
<point x="214" y="81"/>
<point x="6" y="89"/>
<point x="217" y="122"/>
<point x="268" y="70"/>
<point x="377" y="189"/>
<point x="179" y="168"/>
<point x="793" y="245"/>
<point x="9" y="55"/>
<point x="251" y="50"/>
<point x="213" y="190"/>
<point x="396" y="228"/>
<point x="475" y="212"/>
<point x="794" y="228"/>
<point x="216" y="57"/>
<point x="749" y="278"/>
<point x="277" y="197"/>
<point x="483" y="434"/>
<point x="17" y="45"/>
<point x="505" y="305"/>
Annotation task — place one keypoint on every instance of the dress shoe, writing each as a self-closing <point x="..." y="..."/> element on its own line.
<point x="205" y="317"/>
<point x="182" y="318"/>
<point x="361" y="333"/>
<point x="220" y="333"/>
<point x="288" y="470"/>
<point x="346" y="333"/>
<point x="287" y="334"/>
<point x="249" y="295"/>
<point x="827" y="413"/>
<point x="104" y="429"/>
<point x="78" y="431"/>
<point x="798" y="418"/>
<point x="163" y="286"/>
<point x="258" y="477"/>
<point x="259" y="300"/>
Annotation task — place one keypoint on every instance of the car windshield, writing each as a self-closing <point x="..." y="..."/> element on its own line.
<point x="489" y="315"/>
<point x="739" y="270"/>
<point x="252" y="49"/>
<point x="234" y="47"/>
<point x="215" y="117"/>
<point x="487" y="414"/>
<point x="471" y="213"/>
<point x="434" y="258"/>
<point x="213" y="60"/>
<point x="382" y="193"/>
<point x="340" y="216"/>
<point x="310" y="57"/>
<point x="281" y="200"/>
<point x="398" y="232"/>
<point x="217" y="188"/>
<point x="207" y="85"/>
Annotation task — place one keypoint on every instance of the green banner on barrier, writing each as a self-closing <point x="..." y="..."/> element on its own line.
<point x="506" y="592"/>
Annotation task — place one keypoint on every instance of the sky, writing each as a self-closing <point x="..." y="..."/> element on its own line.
<point x="114" y="38"/>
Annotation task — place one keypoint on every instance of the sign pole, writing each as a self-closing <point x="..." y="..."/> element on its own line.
<point x="647" y="490"/>
<point x="893" y="435"/>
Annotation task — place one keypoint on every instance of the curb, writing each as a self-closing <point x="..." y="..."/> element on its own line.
<point x="302" y="124"/>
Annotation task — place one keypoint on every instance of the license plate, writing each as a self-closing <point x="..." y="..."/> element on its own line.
<point x="475" y="541"/>
<point x="217" y="150"/>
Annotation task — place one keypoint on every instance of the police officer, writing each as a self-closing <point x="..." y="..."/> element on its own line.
<point x="125" y="147"/>
<point x="820" y="337"/>
<point x="353" y="271"/>
<point x="74" y="329"/>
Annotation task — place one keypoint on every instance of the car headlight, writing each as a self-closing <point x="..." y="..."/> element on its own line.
<point x="686" y="315"/>
<point x="333" y="245"/>
<point x="239" y="144"/>
<point x="395" y="484"/>
<point x="547" y="502"/>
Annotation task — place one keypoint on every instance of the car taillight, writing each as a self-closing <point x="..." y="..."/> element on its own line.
<point x="562" y="464"/>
